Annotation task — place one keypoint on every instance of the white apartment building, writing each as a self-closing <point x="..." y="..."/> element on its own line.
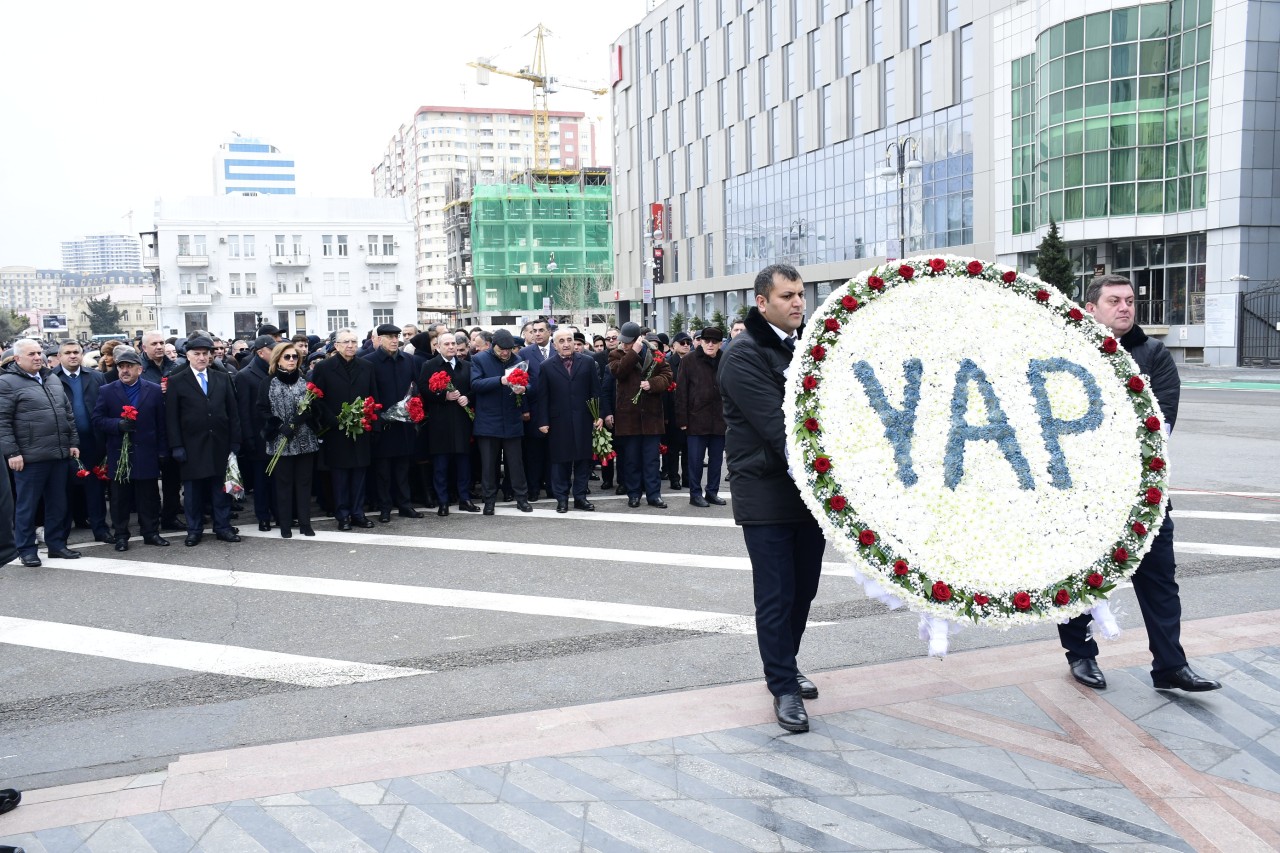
<point x="98" y="253"/>
<point x="230" y="263"/>
<point x="461" y="147"/>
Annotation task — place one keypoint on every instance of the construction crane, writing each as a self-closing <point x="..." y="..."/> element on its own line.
<point x="543" y="85"/>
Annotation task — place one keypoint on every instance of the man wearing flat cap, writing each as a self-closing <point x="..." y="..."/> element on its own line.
<point x="639" y="425"/>
<point x="202" y="425"/>
<point x="393" y="442"/>
<point x="500" y="412"/>
<point x="250" y="384"/>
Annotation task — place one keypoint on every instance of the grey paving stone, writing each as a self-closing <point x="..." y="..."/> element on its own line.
<point x="889" y="731"/>
<point x="452" y="788"/>
<point x="705" y="770"/>
<point x="1119" y="803"/>
<point x="732" y="827"/>
<point x="27" y="841"/>
<point x="408" y="792"/>
<point x="195" y="821"/>
<point x="543" y="786"/>
<point x="321" y="833"/>
<point x="1044" y="776"/>
<point x="856" y="833"/>
<point x="119" y="836"/>
<point x="911" y="812"/>
<point x="163" y="832"/>
<point x="362" y="794"/>
<point x="67" y="838"/>
<point x="466" y="825"/>
<point x="613" y="769"/>
<point x="1245" y="768"/>
<point x="1068" y="830"/>
<point x="428" y="835"/>
<point x="1008" y="703"/>
<point x="226" y="836"/>
<point x="360" y="822"/>
<point x="636" y="831"/>
<point x="937" y="776"/>
<point x="806" y="772"/>
<point x="517" y="823"/>
<point x="264" y="828"/>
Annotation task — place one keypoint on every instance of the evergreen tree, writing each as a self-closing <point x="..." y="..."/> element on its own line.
<point x="696" y="324"/>
<point x="741" y="313"/>
<point x="104" y="318"/>
<point x="718" y="320"/>
<point x="1053" y="264"/>
<point x="676" y="324"/>
<point x="12" y="325"/>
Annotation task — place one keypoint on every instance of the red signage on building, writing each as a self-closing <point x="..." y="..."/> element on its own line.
<point x="658" y="217"/>
<point x="615" y="66"/>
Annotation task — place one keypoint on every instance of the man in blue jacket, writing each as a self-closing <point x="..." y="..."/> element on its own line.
<point x="499" y="424"/>
<point x="85" y="495"/>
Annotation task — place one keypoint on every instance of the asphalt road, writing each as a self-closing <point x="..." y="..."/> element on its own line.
<point x="307" y="638"/>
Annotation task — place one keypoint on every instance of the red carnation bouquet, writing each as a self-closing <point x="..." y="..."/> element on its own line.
<point x="601" y="439"/>
<point x="409" y="410"/>
<point x="81" y="471"/>
<point x="358" y="417"/>
<point x="313" y="393"/>
<point x="128" y="413"/>
<point x="440" y="383"/>
<point x="518" y="377"/>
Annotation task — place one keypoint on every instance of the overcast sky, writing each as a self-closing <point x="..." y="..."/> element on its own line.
<point x="107" y="106"/>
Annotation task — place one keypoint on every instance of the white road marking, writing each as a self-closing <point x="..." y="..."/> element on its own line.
<point x="1215" y="550"/>
<point x="1209" y="493"/>
<point x="617" y="517"/>
<point x="1179" y="514"/>
<point x="535" y="605"/>
<point x="197" y="657"/>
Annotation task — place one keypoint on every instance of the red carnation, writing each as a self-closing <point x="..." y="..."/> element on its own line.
<point x="819" y="352"/>
<point x="811" y="424"/>
<point x="980" y="599"/>
<point x="416" y="413"/>
<point x="438" y="382"/>
<point x="1042" y="295"/>
<point x="941" y="591"/>
<point x="1154" y="495"/>
<point x="1110" y="345"/>
<point x="810" y="382"/>
<point x="900" y="567"/>
<point x="850" y="303"/>
<point x="1062" y="597"/>
<point x="658" y="356"/>
<point x="831" y="324"/>
<point x="1022" y="601"/>
<point x="1136" y="383"/>
<point x="672" y="386"/>
<point x="875" y="283"/>
<point x="1156" y="464"/>
<point x="1139" y="528"/>
<point x="1009" y="276"/>
<point x="867" y="537"/>
<point x="1076" y="315"/>
<point x="82" y="473"/>
<point x="937" y="264"/>
<point x="1120" y="555"/>
<point x="1094" y="580"/>
<point x="974" y="267"/>
<point x="1152" y="424"/>
<point x="907" y="271"/>
<point x="129" y="413"/>
<point x="837" y="503"/>
<point x="821" y="464"/>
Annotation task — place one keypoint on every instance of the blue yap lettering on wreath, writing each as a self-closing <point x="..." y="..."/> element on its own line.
<point x="1051" y="427"/>
<point x="899" y="424"/>
<point x="997" y="429"/>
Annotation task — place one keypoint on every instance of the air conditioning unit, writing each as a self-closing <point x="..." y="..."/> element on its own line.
<point x="307" y="279"/>
<point x="222" y="240"/>
<point x="399" y="287"/>
<point x="364" y="290"/>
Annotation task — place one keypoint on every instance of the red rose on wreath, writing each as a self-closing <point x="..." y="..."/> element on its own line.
<point x="980" y="600"/>
<point x="1136" y="383"/>
<point x="831" y="324"/>
<point x="1075" y="314"/>
<point x="1094" y="580"/>
<point x="850" y="303"/>
<point x="811" y="424"/>
<point x="810" y="382"/>
<point x="1110" y="345"/>
<point x="907" y="271"/>
<point x="1154" y="495"/>
<point x="1009" y="277"/>
<point x="819" y="352"/>
<point x="875" y="283"/>
<point x="1139" y="528"/>
<point x="900" y="567"/>
<point x="837" y="503"/>
<point x="821" y="464"/>
<point x="1120" y="555"/>
<point x="974" y="267"/>
<point x="1042" y="295"/>
<point x="941" y="591"/>
<point x="1156" y="464"/>
<point x="1022" y="601"/>
<point x="937" y="264"/>
<point x="867" y="537"/>
<point x="1152" y="424"/>
<point x="1062" y="597"/>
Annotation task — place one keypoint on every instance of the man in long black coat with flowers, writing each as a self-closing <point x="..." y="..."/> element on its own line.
<point x="448" y="424"/>
<point x="342" y="378"/>
<point x="393" y="441"/>
<point x="567" y="381"/>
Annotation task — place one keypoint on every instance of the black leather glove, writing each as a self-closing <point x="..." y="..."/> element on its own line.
<point x="288" y="430"/>
<point x="179" y="454"/>
<point x="235" y="448"/>
<point x="126" y="425"/>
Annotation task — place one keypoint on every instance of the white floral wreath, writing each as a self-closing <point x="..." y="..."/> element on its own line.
<point x="1035" y="514"/>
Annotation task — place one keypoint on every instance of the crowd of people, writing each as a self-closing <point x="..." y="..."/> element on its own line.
<point x="453" y="420"/>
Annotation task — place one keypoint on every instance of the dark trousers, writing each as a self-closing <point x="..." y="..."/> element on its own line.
<point x="195" y="494"/>
<point x="264" y="498"/>
<point x="640" y="458"/>
<point x="8" y="546"/>
<point x="461" y="462"/>
<point x="537" y="467"/>
<point x="391" y="476"/>
<point x="38" y="480"/>
<point x="713" y="447"/>
<point x="570" y="477"/>
<point x="511" y="452"/>
<point x="170" y="490"/>
<point x="88" y="493"/>
<point x="292" y="477"/>
<point x="140" y="495"/>
<point x="786" y="564"/>
<point x="348" y="492"/>
<point x="677" y="451"/>
<point x="1157" y="591"/>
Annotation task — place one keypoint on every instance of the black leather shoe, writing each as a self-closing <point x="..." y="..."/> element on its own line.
<point x="227" y="536"/>
<point x="508" y="497"/>
<point x="1185" y="678"/>
<point x="385" y="516"/>
<point x="410" y="512"/>
<point x="306" y="531"/>
<point x="468" y="506"/>
<point x="264" y="526"/>
<point x="808" y="690"/>
<point x="172" y="526"/>
<point x="523" y="505"/>
<point x="105" y="538"/>
<point x="192" y="540"/>
<point x="156" y="539"/>
<point x="345" y="524"/>
<point x="64" y="554"/>
<point x="715" y="499"/>
<point x="31" y="561"/>
<point x="562" y="506"/>
<point x="362" y="522"/>
<point x="534" y="497"/>
<point x="286" y="533"/>
<point x="789" y="710"/>
<point x="1086" y="672"/>
<point x="621" y="490"/>
<point x="488" y="507"/>
<point x="658" y="504"/>
<point x="699" y="501"/>
<point x="122" y="544"/>
<point x="442" y="510"/>
<point x="633" y="502"/>
<point x="585" y="506"/>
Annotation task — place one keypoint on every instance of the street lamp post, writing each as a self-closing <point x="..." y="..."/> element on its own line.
<point x="896" y="168"/>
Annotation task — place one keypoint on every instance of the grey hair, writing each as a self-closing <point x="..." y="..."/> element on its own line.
<point x="27" y="341"/>
<point x="1094" y="292"/>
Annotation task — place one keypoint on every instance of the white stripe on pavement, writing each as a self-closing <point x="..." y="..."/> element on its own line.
<point x="534" y="605"/>
<point x="1209" y="493"/>
<point x="1214" y="550"/>
<point x="198" y="657"/>
<point x="1179" y="514"/>
<point x="617" y="517"/>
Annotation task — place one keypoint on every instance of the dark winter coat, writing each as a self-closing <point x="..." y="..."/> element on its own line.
<point x="448" y="426"/>
<point x="1156" y="362"/>
<point x="342" y="382"/>
<point x="91" y="446"/>
<point x="206" y="427"/>
<point x="561" y="406"/>
<point x="645" y="416"/>
<point x="752" y="383"/>
<point x="148" y="443"/>
<point x="153" y="373"/>
<point x="250" y="385"/>
<point x="499" y="414"/>
<point x="392" y="376"/>
<point x="699" y="409"/>
<point x="36" y="422"/>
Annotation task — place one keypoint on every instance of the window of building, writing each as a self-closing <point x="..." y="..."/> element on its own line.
<point x="337" y="318"/>
<point x="297" y="244"/>
<point x="185" y="282"/>
<point x="233" y="284"/>
<point x="815" y="59"/>
<point x="711" y="255"/>
<point x="198" y="246"/>
<point x="790" y="85"/>
<point x="344" y="284"/>
<point x="233" y="245"/>
<point x="797" y="18"/>
<point x="825" y="123"/>
<point x="910" y="23"/>
<point x="326" y="245"/>
<point x="247" y="244"/>
<point x="251" y="284"/>
<point x="282" y="248"/>
<point x="730" y="47"/>
<point x="282" y="283"/>
<point x="753" y="140"/>
<point x="766" y="82"/>
<point x="330" y="283"/>
<point x="744" y="94"/>
<point x="948" y="15"/>
<point x="855" y="105"/>
<point x="965" y="55"/>
<point x="924" y="79"/>
<point x="801" y="143"/>
<point x="749" y="24"/>
<point x="731" y="139"/>
<point x="844" y="45"/>
<point x="875" y="30"/>
<point x="184" y="245"/>
<point x="771" y="26"/>
<point x="888" y="103"/>
<point x="342" y="245"/>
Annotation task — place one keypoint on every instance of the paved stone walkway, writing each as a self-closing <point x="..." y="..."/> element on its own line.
<point x="993" y="750"/>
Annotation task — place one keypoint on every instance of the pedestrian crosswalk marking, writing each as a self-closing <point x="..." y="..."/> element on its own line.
<point x="216" y="658"/>
<point x="1215" y="550"/>
<point x="619" y="517"/>
<point x="534" y="605"/>
<point x="1227" y="516"/>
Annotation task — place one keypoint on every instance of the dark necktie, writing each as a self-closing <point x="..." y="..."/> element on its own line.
<point x="790" y="343"/>
<point x="568" y="366"/>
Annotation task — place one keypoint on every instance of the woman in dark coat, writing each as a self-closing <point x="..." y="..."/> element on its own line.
<point x="282" y="391"/>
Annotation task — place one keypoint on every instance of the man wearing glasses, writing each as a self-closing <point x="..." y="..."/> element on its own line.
<point x="342" y="379"/>
<point x="607" y="390"/>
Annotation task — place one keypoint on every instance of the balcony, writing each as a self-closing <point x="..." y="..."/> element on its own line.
<point x="193" y="260"/>
<point x="290" y="260"/>
<point x="378" y="260"/>
<point x="385" y="295"/>
<point x="291" y="299"/>
<point x="193" y="299"/>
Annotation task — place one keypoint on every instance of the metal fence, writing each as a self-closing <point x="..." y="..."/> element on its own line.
<point x="1260" y="327"/>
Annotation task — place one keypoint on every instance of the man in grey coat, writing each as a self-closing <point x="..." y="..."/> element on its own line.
<point x="37" y="436"/>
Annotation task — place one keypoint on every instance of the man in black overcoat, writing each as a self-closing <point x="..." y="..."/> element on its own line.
<point x="342" y="379"/>
<point x="393" y="441"/>
<point x="567" y="381"/>
<point x="203" y="426"/>
<point x="448" y="424"/>
<point x="249" y="383"/>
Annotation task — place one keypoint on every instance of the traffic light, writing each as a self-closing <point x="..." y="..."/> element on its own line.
<point x="657" y="265"/>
